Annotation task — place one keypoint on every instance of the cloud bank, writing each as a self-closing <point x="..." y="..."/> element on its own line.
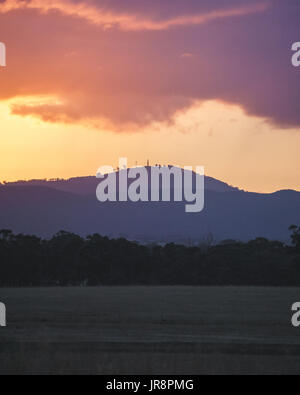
<point x="126" y="64"/>
<point x="106" y="18"/>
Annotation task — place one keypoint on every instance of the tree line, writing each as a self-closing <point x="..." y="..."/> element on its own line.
<point x="70" y="260"/>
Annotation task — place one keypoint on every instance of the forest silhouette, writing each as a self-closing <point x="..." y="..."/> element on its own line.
<point x="70" y="260"/>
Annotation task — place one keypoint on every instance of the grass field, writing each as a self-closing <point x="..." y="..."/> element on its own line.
<point x="139" y="330"/>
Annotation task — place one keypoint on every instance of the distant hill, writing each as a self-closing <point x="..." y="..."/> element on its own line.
<point x="46" y="207"/>
<point x="87" y="185"/>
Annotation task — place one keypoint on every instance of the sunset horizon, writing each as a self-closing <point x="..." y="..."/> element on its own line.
<point x="115" y="79"/>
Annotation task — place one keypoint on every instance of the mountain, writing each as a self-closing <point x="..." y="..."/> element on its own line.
<point x="46" y="207"/>
<point x="87" y="185"/>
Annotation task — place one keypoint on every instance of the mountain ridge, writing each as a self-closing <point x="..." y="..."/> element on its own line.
<point x="238" y="215"/>
<point x="87" y="185"/>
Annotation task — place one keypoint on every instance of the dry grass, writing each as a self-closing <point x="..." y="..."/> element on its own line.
<point x="140" y="330"/>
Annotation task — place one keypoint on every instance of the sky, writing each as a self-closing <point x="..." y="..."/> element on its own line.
<point x="182" y="82"/>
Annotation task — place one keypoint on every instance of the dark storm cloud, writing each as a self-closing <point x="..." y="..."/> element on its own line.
<point x="139" y="61"/>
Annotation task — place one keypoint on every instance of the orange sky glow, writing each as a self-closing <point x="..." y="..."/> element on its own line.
<point x="88" y="82"/>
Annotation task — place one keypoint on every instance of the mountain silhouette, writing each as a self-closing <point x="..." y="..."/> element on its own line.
<point x="87" y="185"/>
<point x="44" y="207"/>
